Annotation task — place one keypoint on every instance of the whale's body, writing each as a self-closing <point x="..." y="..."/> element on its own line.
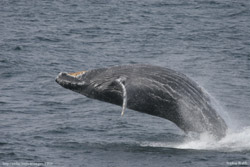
<point x="153" y="90"/>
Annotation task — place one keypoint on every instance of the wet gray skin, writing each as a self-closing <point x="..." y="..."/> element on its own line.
<point x="153" y="90"/>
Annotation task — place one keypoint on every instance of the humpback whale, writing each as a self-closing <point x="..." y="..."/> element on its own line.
<point x="153" y="90"/>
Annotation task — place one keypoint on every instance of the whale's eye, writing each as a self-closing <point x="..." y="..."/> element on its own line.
<point x="112" y="84"/>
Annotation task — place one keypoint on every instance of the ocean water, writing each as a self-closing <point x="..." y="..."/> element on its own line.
<point x="42" y="124"/>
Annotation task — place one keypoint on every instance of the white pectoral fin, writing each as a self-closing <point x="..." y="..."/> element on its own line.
<point x="124" y="91"/>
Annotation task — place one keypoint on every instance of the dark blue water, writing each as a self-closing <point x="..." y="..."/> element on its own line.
<point x="43" y="124"/>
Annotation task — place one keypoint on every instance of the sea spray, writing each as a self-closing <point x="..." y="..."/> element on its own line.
<point x="233" y="141"/>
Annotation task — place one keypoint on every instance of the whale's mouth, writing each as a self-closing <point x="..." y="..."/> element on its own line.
<point x="70" y="80"/>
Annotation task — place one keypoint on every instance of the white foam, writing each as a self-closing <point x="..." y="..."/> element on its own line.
<point x="233" y="141"/>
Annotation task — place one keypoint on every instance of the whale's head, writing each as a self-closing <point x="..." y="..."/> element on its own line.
<point x="96" y="84"/>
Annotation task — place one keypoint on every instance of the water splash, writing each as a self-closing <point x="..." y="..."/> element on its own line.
<point x="233" y="141"/>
